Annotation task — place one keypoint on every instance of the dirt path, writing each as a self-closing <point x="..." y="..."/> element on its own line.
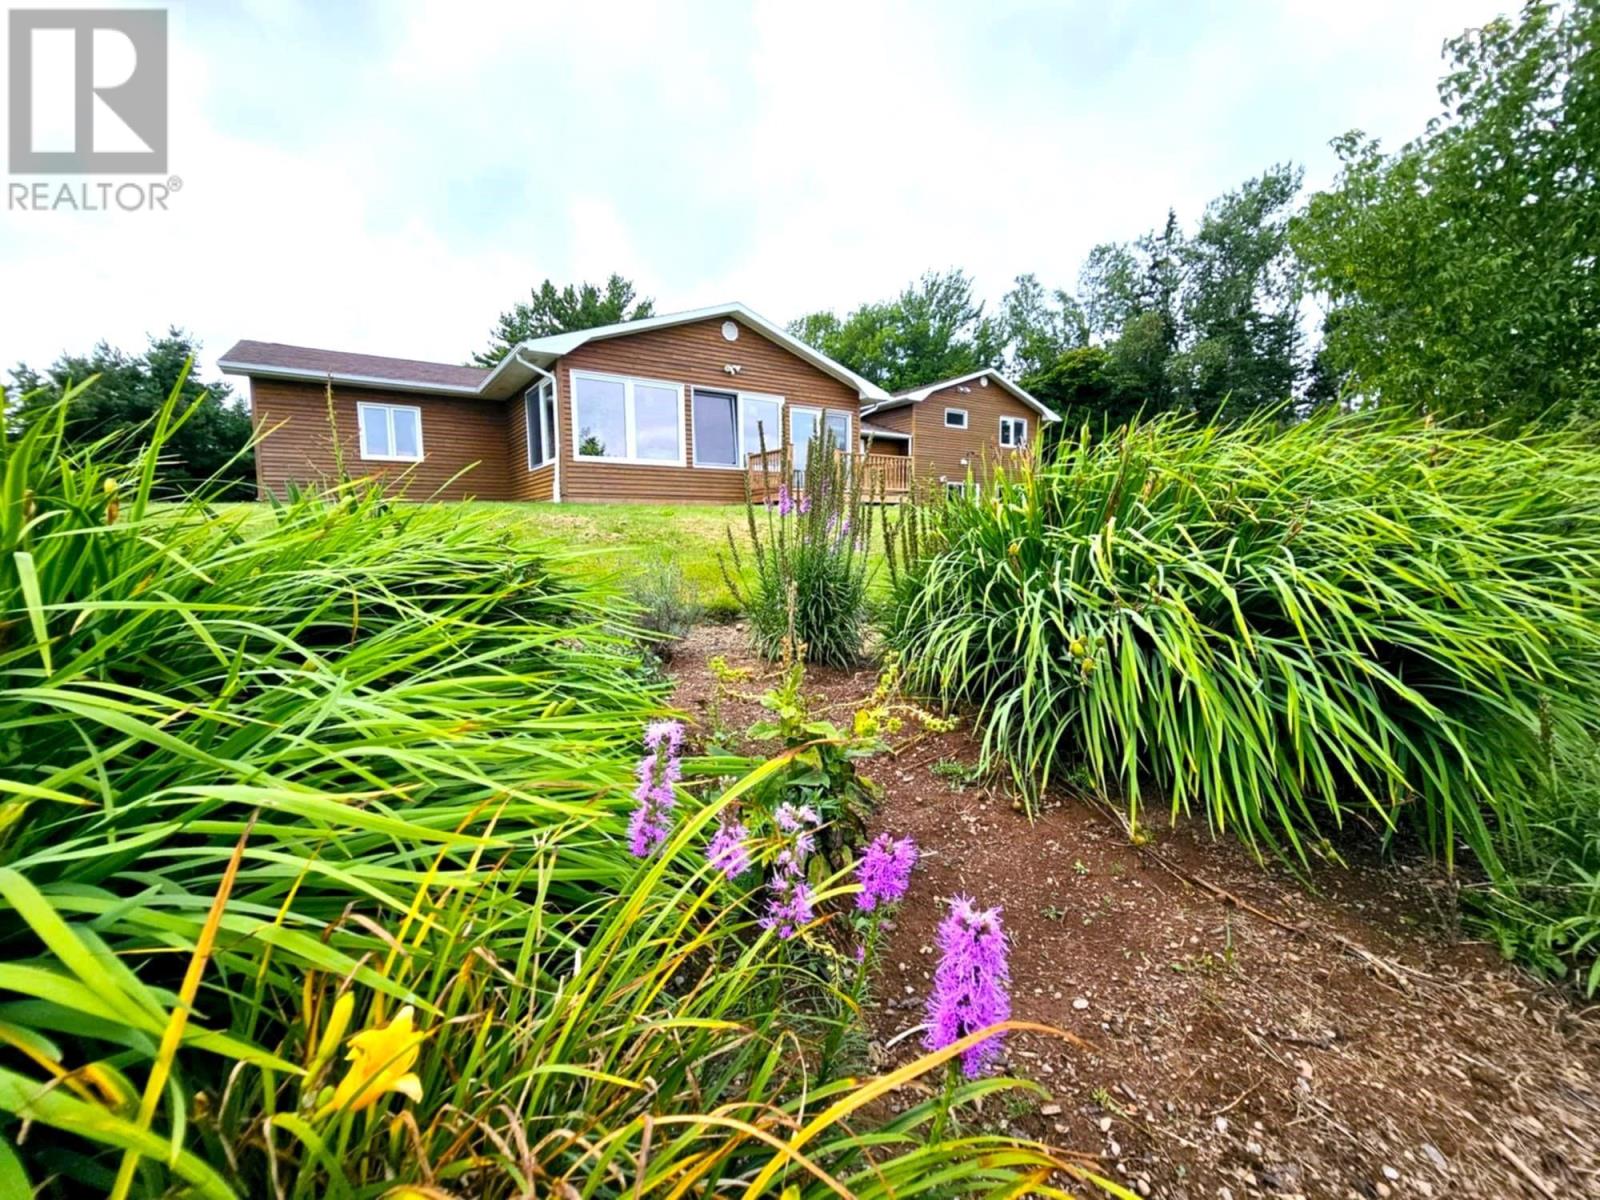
<point x="1268" y="1041"/>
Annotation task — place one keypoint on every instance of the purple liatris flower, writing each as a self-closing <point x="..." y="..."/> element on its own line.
<point x="789" y="895"/>
<point x="884" y="871"/>
<point x="971" y="985"/>
<point x="789" y="904"/>
<point x="654" y="798"/>
<point x="785" y="505"/>
<point x="727" y="851"/>
<point x="805" y="505"/>
<point x="791" y="818"/>
<point x="670" y="732"/>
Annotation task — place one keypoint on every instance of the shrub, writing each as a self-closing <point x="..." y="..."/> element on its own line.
<point x="809" y="550"/>
<point x="285" y="798"/>
<point x="668" y="608"/>
<point x="1353" y="617"/>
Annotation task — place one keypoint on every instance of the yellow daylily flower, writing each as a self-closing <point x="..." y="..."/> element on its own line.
<point x="380" y="1062"/>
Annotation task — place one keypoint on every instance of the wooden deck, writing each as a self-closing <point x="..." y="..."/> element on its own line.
<point x="883" y="476"/>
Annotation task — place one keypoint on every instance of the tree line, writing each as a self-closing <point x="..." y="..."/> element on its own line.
<point x="1456" y="275"/>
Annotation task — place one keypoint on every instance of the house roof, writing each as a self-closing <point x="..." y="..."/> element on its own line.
<point x="274" y="360"/>
<point x="514" y="373"/>
<point x="918" y="395"/>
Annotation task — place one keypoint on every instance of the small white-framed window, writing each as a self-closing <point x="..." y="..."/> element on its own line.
<point x="1014" y="432"/>
<point x="955" y="418"/>
<point x="954" y="489"/>
<point x="539" y="411"/>
<point x="390" y="432"/>
<point x="621" y="419"/>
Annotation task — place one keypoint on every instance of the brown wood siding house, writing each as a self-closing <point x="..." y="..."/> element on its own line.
<point x="596" y="415"/>
<point x="962" y="426"/>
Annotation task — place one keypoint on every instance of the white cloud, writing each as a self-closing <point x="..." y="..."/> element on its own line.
<point x="389" y="179"/>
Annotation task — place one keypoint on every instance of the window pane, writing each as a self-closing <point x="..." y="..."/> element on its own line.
<point x="375" y="431"/>
<point x="715" y="430"/>
<point x="802" y="428"/>
<point x="763" y="419"/>
<point x="533" y="413"/>
<point x="547" y="418"/>
<point x="839" y="427"/>
<point x="655" y="422"/>
<point x="602" y="431"/>
<point x="407" y="432"/>
<point x="955" y="418"/>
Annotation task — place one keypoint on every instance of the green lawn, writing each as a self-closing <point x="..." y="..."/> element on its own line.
<point x="624" y="539"/>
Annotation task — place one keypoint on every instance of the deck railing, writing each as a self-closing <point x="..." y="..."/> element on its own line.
<point x="886" y="475"/>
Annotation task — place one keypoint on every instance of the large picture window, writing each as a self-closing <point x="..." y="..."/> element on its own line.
<point x="731" y="426"/>
<point x="390" y="432"/>
<point x="627" y="420"/>
<point x="539" y="408"/>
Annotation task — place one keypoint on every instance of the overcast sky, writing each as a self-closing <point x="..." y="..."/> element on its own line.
<point x="388" y="177"/>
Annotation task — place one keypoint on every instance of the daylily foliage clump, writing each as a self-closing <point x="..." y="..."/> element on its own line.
<point x="339" y="763"/>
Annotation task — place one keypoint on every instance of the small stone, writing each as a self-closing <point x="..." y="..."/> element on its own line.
<point x="1081" y="1003"/>
<point x="1431" y="1153"/>
<point x="1105" y="1124"/>
<point x="1050" y="1110"/>
<point x="1383" y="1190"/>
<point x="1391" y="1174"/>
<point x="1221" y="1124"/>
<point x="1114" y="1148"/>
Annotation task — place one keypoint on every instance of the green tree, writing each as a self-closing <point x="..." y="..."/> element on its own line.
<point x="934" y="329"/>
<point x="1085" y="385"/>
<point x="1238" y="332"/>
<point x="1460" y="271"/>
<point x="1038" y="327"/>
<point x="1129" y="296"/>
<point x="549" y="310"/>
<point x="210" y="445"/>
<point x="1111" y="289"/>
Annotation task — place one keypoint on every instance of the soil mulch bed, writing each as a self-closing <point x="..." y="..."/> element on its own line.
<point x="1249" y="1035"/>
